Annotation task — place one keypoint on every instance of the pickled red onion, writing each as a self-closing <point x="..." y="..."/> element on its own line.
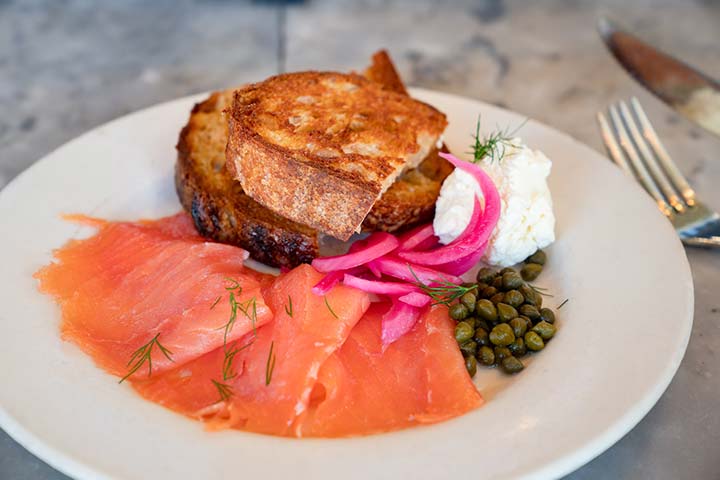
<point x="374" y="269"/>
<point x="379" y="287"/>
<point x="377" y="245"/>
<point x="465" y="263"/>
<point x="332" y="279"/>
<point x="419" y="238"/>
<point x="398" y="321"/>
<point x="328" y="282"/>
<point x="455" y="257"/>
<point x="404" y="270"/>
<point x="416" y="299"/>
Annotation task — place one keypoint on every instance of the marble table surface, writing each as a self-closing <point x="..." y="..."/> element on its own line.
<point x="68" y="66"/>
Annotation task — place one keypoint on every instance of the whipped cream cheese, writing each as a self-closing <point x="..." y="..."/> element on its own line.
<point x="526" y="220"/>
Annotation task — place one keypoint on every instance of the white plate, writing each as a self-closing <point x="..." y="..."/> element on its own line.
<point x="621" y="337"/>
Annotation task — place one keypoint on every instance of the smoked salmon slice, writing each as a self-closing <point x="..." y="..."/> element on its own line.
<point x="419" y="379"/>
<point x="154" y="284"/>
<point x="277" y="372"/>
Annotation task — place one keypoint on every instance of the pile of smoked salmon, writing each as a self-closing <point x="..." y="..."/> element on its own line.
<point x="191" y="328"/>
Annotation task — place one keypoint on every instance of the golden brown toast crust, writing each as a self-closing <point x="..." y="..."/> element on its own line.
<point x="321" y="147"/>
<point x="221" y="211"/>
<point x="382" y="71"/>
<point x="217" y="203"/>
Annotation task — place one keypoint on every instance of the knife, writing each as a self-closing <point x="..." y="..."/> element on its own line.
<point x="690" y="92"/>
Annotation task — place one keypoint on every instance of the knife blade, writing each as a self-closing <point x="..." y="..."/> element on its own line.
<point x="690" y="92"/>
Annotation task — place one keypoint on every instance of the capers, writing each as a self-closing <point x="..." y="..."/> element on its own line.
<point x="497" y="298"/>
<point x="519" y="326"/>
<point x="469" y="348"/>
<point x="482" y="324"/>
<point x="511" y="365"/>
<point x="500" y="319"/>
<point x="463" y="332"/>
<point x="531" y="271"/>
<point x="481" y="337"/>
<point x="486" y="310"/>
<point x="534" y="342"/>
<point x="486" y="356"/>
<point x="500" y="353"/>
<point x="511" y="280"/>
<point x="530" y="311"/>
<point x="513" y="298"/>
<point x="528" y="322"/>
<point x="544" y="329"/>
<point x="547" y="315"/>
<point x="472" y="288"/>
<point x="506" y="312"/>
<point x="518" y="347"/>
<point x="536" y="297"/>
<point x="528" y="293"/>
<point x="471" y="365"/>
<point x="458" y="311"/>
<point x="502" y="335"/>
<point x="469" y="300"/>
<point x="485" y="275"/>
<point x="538" y="257"/>
<point x="488" y="292"/>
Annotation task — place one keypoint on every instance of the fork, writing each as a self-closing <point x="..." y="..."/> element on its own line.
<point x="635" y="147"/>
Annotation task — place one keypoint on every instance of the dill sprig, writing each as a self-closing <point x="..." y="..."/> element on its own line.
<point x="233" y="315"/>
<point x="234" y="284"/>
<point x="228" y="370"/>
<point x="330" y="308"/>
<point x="143" y="355"/>
<point x="270" y="365"/>
<point x="247" y="308"/>
<point x="250" y="313"/>
<point x="443" y="291"/>
<point x="224" y="390"/>
<point x="288" y="307"/>
<point x="217" y="300"/>
<point x="540" y="290"/>
<point x="494" y="144"/>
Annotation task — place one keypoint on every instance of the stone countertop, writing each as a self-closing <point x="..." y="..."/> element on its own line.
<point x="68" y="67"/>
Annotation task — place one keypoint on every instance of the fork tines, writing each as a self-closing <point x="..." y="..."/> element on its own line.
<point x="635" y="147"/>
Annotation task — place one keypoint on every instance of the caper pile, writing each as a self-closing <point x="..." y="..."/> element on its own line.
<point x="501" y="318"/>
<point x="533" y="266"/>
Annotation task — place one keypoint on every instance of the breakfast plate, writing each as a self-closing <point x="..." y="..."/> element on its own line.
<point x="624" y="328"/>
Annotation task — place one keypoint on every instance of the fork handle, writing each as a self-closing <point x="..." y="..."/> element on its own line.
<point x="707" y="242"/>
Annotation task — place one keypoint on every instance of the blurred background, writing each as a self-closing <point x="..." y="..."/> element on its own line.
<point x="67" y="66"/>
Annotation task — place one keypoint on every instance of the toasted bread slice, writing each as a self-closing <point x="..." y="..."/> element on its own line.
<point x="321" y="147"/>
<point x="219" y="207"/>
<point x="411" y="199"/>
<point x="221" y="210"/>
<point x="382" y="71"/>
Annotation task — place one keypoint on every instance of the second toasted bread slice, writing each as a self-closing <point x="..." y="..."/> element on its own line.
<point x="320" y="148"/>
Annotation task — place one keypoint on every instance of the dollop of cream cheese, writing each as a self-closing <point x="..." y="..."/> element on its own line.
<point x="526" y="220"/>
